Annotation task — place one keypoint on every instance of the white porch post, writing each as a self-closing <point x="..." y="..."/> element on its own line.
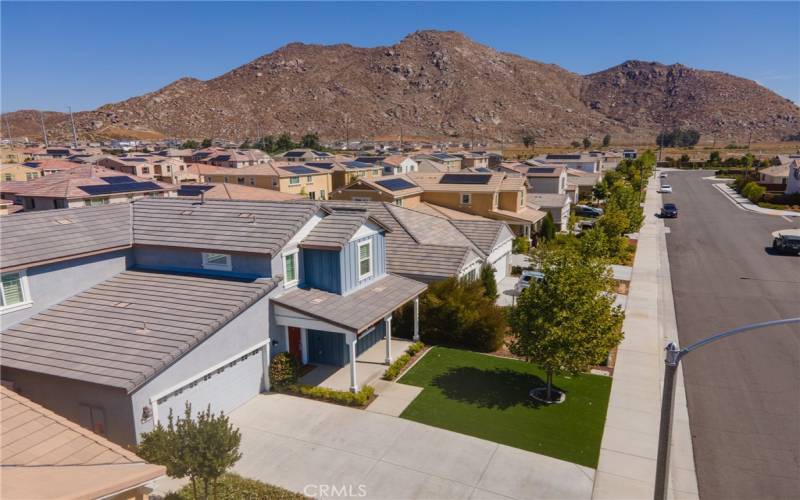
<point x="416" y="319"/>
<point x="353" y="383"/>
<point x="388" y="322"/>
<point x="265" y="351"/>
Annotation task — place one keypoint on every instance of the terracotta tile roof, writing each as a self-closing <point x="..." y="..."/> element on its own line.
<point x="384" y="183"/>
<point x="46" y="456"/>
<point x="433" y="182"/>
<point x="546" y="200"/>
<point x="52" y="164"/>
<point x="67" y="183"/>
<point x="253" y="170"/>
<point x="526" y="215"/>
<point x="228" y="191"/>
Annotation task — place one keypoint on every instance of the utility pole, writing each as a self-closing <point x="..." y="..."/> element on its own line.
<point x="401" y="139"/>
<point x="671" y="362"/>
<point x="74" y="134"/>
<point x="44" y="129"/>
<point x="8" y="130"/>
<point x="749" y="137"/>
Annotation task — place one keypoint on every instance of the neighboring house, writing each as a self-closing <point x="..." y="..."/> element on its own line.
<point x="793" y="179"/>
<point x="397" y="189"/>
<point x="450" y="162"/>
<point x="51" y="166"/>
<point x="225" y="191"/>
<point x="308" y="182"/>
<point x="7" y="207"/>
<point x="777" y="175"/>
<point x="557" y="204"/>
<point x="583" y="182"/>
<point x="578" y="161"/>
<point x="305" y="155"/>
<point x="129" y="312"/>
<point x="237" y="158"/>
<point x="150" y="166"/>
<point x="398" y="165"/>
<point x="48" y="152"/>
<point x="84" y="185"/>
<point x="541" y="179"/>
<point x="431" y="166"/>
<point x="47" y="456"/>
<point x="629" y="154"/>
<point x="345" y="171"/>
<point x="610" y="158"/>
<point x="18" y="172"/>
<point x="473" y="159"/>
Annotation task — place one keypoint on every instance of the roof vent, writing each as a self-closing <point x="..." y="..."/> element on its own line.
<point x="122" y="304"/>
<point x="64" y="221"/>
<point x="318" y="300"/>
<point x="186" y="212"/>
<point x="378" y="289"/>
<point x="244" y="215"/>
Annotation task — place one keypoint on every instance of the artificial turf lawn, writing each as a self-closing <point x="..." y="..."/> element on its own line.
<point x="487" y="397"/>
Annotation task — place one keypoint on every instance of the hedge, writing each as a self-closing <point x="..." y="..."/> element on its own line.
<point x="347" y="398"/>
<point x="233" y="487"/>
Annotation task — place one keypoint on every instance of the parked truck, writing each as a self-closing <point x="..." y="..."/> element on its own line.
<point x="786" y="241"/>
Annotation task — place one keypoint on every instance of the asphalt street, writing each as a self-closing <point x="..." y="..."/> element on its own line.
<point x="743" y="392"/>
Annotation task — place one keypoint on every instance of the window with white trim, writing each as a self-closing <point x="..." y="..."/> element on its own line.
<point x="309" y="179"/>
<point x="14" y="290"/>
<point x="293" y="181"/>
<point x="290" y="275"/>
<point x="466" y="199"/>
<point x="364" y="260"/>
<point x="217" y="261"/>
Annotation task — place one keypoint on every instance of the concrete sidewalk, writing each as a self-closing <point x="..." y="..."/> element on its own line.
<point x="627" y="464"/>
<point x="746" y="204"/>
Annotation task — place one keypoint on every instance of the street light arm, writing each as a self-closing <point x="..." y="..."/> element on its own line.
<point x="745" y="328"/>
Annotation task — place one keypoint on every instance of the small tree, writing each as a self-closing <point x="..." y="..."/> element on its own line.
<point x="587" y="143"/>
<point x="714" y="158"/>
<point x="284" y="142"/>
<point x="529" y="140"/>
<point x="190" y="144"/>
<point x="283" y="370"/>
<point x="548" y="227"/>
<point x="489" y="282"/>
<point x="310" y="140"/>
<point x="206" y="143"/>
<point x="575" y="144"/>
<point x="606" y="140"/>
<point x="566" y="322"/>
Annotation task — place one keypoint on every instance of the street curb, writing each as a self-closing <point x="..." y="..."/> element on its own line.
<point x="745" y="204"/>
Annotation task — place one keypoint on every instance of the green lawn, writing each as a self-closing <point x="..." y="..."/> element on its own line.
<point x="487" y="397"/>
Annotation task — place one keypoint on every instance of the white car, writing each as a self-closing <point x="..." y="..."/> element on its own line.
<point x="525" y="280"/>
<point x="665" y="188"/>
<point x="663" y="175"/>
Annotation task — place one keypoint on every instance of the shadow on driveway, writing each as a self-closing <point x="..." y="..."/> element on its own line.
<point x="498" y="388"/>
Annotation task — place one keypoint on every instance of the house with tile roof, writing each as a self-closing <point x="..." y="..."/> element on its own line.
<point x="345" y="170"/>
<point x="227" y="191"/>
<point x="793" y="178"/>
<point x="150" y="166"/>
<point x="47" y="456"/>
<point x="397" y="189"/>
<point x="131" y="311"/>
<point x="18" y="172"/>
<point x="303" y="155"/>
<point x="578" y="161"/>
<point x="51" y="166"/>
<point x="450" y="162"/>
<point x="84" y="185"/>
<point x="312" y="182"/>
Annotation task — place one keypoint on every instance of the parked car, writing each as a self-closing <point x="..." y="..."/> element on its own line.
<point x="662" y="175"/>
<point x="786" y="241"/>
<point x="665" y="188"/>
<point x="669" y="210"/>
<point x="587" y="211"/>
<point x="526" y="278"/>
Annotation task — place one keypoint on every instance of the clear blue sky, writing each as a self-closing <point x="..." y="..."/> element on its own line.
<point x="89" y="54"/>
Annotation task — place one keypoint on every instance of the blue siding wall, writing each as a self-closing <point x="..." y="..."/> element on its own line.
<point x="349" y="263"/>
<point x="178" y="259"/>
<point x="321" y="269"/>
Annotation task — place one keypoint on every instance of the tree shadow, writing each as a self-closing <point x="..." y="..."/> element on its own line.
<point x="497" y="389"/>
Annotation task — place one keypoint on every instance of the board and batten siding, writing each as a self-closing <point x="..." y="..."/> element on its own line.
<point x="321" y="270"/>
<point x="349" y="263"/>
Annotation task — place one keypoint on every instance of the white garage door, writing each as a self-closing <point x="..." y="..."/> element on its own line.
<point x="225" y="389"/>
<point x="500" y="267"/>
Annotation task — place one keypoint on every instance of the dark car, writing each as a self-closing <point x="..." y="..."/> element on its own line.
<point x="669" y="210"/>
<point x="587" y="211"/>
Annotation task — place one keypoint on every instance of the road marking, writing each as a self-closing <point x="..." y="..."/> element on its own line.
<point x="771" y="281"/>
<point x="787" y="218"/>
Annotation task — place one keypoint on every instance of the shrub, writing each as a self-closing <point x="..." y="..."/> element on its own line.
<point x="521" y="245"/>
<point x="489" y="281"/>
<point x="414" y="348"/>
<point x="395" y="368"/>
<point x="548" y="230"/>
<point x="753" y="192"/>
<point x="283" y="370"/>
<point x="347" y="398"/>
<point x="458" y="313"/>
<point x="232" y="486"/>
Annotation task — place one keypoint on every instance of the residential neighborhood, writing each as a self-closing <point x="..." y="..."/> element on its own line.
<point x="398" y="260"/>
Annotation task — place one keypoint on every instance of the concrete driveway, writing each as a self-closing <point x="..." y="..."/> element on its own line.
<point x="317" y="448"/>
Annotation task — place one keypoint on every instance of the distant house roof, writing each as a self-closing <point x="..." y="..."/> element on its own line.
<point x="52" y="164"/>
<point x="357" y="311"/>
<point x="233" y="226"/>
<point x="546" y="200"/>
<point x="335" y="230"/>
<point x="228" y="191"/>
<point x="776" y="171"/>
<point x="47" y="456"/>
<point x="251" y="170"/>
<point x="458" y="182"/>
<point x="38" y="237"/>
<point x="116" y="334"/>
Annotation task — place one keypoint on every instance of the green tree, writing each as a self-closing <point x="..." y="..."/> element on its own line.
<point x="714" y="159"/>
<point x="567" y="321"/>
<point x="748" y="164"/>
<point x="284" y="143"/>
<point x="458" y="312"/>
<point x="190" y="144"/>
<point x="310" y="140"/>
<point x="575" y="144"/>
<point x="529" y="140"/>
<point x="606" y="140"/>
<point x="202" y="448"/>
<point x="587" y="143"/>
<point x="548" y="231"/>
<point x="206" y="143"/>
<point x="489" y="282"/>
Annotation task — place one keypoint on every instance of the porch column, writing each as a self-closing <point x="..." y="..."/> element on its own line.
<point x="265" y="351"/>
<point x="388" y="322"/>
<point x="353" y="383"/>
<point x="416" y="319"/>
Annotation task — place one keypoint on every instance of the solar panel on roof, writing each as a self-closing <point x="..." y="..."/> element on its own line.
<point x="370" y="159"/>
<point x="299" y="170"/>
<point x="482" y="169"/>
<point x="118" y="179"/>
<point x="193" y="189"/>
<point x="321" y="153"/>
<point x="441" y="156"/>
<point x="318" y="164"/>
<point x="357" y="164"/>
<point x="127" y="187"/>
<point x="294" y="154"/>
<point x="541" y="170"/>
<point x="465" y="179"/>
<point x="395" y="184"/>
<point x="563" y="157"/>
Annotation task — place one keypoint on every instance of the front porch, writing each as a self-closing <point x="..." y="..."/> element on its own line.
<point x="370" y="365"/>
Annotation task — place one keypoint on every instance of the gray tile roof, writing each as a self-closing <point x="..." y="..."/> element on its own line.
<point x="36" y="237"/>
<point x="225" y="226"/>
<point x="428" y="229"/>
<point x="428" y="262"/>
<point x="484" y="234"/>
<point x="123" y="331"/>
<point x="358" y="310"/>
<point x="335" y="230"/>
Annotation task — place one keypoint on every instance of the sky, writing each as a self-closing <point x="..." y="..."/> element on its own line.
<point x="85" y="54"/>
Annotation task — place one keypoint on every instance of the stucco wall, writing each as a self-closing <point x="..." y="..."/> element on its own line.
<point x="52" y="283"/>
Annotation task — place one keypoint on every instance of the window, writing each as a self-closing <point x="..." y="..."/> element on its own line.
<point x="30" y="176"/>
<point x="290" y="268"/>
<point x="145" y="170"/>
<point x="361" y="198"/>
<point x="312" y="195"/>
<point x="522" y="198"/>
<point x="252" y="181"/>
<point x="217" y="261"/>
<point x="274" y="182"/>
<point x="364" y="260"/>
<point x="93" y="202"/>
<point x="309" y="179"/>
<point x="495" y="200"/>
<point x="321" y="194"/>
<point x="14" y="290"/>
<point x="466" y="199"/>
<point x="93" y="418"/>
<point x="293" y="181"/>
<point x="398" y="202"/>
<point x="8" y="177"/>
<point x="225" y="179"/>
<point x="240" y="180"/>
<point x="470" y="276"/>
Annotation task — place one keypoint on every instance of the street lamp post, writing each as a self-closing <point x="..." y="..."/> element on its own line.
<point x="671" y="362"/>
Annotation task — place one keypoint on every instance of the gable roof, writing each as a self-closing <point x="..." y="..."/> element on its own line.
<point x="429" y="181"/>
<point x="123" y="331"/>
<point x="484" y="234"/>
<point x="38" y="237"/>
<point x="397" y="186"/>
<point x="226" y="226"/>
<point x="240" y="192"/>
<point x="47" y="456"/>
<point x="335" y="230"/>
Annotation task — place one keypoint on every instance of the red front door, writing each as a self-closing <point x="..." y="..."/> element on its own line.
<point x="295" y="344"/>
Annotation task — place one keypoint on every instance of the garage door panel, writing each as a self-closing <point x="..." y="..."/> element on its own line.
<point x="501" y="267"/>
<point x="327" y="348"/>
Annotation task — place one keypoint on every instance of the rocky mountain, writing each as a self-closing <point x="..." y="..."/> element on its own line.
<point x="435" y="84"/>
